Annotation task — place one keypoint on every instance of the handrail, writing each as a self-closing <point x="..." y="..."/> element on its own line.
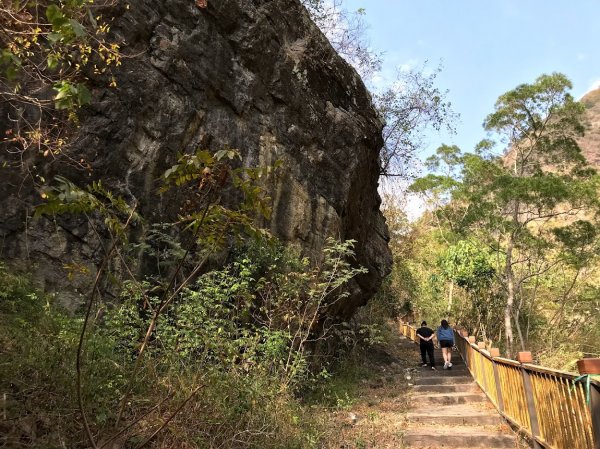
<point x="549" y="406"/>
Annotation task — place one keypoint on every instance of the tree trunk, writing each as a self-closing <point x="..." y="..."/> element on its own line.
<point x="510" y="299"/>
<point x="519" y="331"/>
<point x="450" y="292"/>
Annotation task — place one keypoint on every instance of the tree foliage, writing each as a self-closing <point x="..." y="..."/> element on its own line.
<point x="533" y="208"/>
<point x="221" y="367"/>
<point x="467" y="265"/>
<point x="254" y="318"/>
<point x="48" y="52"/>
<point x="346" y="31"/>
<point x="410" y="105"/>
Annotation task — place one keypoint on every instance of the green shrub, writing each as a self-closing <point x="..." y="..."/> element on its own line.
<point x="222" y="365"/>
<point x="39" y="343"/>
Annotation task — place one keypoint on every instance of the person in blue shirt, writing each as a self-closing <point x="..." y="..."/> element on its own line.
<point x="445" y="336"/>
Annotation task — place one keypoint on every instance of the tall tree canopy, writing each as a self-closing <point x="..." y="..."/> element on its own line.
<point x="534" y="204"/>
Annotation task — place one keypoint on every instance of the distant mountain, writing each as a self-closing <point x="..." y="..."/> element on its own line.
<point x="590" y="143"/>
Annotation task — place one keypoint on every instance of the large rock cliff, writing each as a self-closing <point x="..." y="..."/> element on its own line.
<point x="253" y="75"/>
<point x="590" y="143"/>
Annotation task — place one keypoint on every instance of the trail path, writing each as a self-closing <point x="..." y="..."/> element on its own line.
<point x="448" y="410"/>
<point x="408" y="406"/>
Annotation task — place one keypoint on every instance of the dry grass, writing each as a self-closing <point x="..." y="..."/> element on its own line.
<point x="377" y="418"/>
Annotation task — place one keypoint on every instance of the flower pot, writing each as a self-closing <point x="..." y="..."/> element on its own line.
<point x="588" y="366"/>
<point x="525" y="357"/>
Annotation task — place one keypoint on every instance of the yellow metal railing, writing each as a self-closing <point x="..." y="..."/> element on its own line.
<point x="551" y="407"/>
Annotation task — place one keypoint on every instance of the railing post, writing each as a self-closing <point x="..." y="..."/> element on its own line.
<point x="525" y="357"/>
<point x="595" y="412"/>
<point x="592" y="367"/>
<point x="495" y="352"/>
<point x="470" y="339"/>
<point x="481" y="347"/>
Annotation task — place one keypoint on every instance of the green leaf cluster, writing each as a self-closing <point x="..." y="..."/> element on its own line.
<point x="10" y="63"/>
<point x="467" y="265"/>
<point x="66" y="198"/>
<point x="64" y="28"/>
<point x="71" y="95"/>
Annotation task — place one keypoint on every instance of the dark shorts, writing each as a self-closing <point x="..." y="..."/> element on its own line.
<point x="446" y="343"/>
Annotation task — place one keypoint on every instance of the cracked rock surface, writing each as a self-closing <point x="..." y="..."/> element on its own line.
<point x="253" y="75"/>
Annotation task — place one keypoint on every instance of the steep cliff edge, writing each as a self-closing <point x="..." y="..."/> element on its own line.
<point x="590" y="143"/>
<point x="253" y="75"/>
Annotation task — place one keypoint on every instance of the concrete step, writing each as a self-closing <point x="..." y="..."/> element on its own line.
<point x="455" y="360"/>
<point x="454" y="437"/>
<point x="444" y="378"/>
<point x="470" y="387"/>
<point x="457" y="414"/>
<point x="455" y="357"/>
<point x="440" y="359"/>
<point x="447" y="398"/>
<point x="439" y="364"/>
<point x="439" y="372"/>
<point x="439" y="356"/>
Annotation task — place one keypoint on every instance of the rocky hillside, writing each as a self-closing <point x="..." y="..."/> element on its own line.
<point x="590" y="143"/>
<point x="253" y="75"/>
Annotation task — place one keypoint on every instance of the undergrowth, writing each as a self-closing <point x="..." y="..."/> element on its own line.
<point x="232" y="385"/>
<point x="226" y="367"/>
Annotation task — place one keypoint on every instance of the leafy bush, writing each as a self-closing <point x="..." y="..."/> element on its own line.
<point x="39" y="342"/>
<point x="221" y="367"/>
<point x="254" y="315"/>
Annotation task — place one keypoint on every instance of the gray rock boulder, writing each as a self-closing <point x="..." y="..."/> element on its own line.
<point x="256" y="75"/>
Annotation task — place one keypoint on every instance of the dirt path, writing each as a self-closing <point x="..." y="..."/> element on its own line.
<point x="376" y="419"/>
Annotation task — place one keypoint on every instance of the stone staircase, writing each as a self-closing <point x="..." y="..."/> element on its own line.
<point x="448" y="410"/>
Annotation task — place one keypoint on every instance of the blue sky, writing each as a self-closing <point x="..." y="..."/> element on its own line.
<point x="486" y="47"/>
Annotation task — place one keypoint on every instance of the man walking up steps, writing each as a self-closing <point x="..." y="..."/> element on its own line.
<point x="425" y="335"/>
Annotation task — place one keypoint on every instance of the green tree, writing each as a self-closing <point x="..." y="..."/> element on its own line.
<point x="49" y="51"/>
<point x="465" y="264"/>
<point x="409" y="106"/>
<point x="513" y="201"/>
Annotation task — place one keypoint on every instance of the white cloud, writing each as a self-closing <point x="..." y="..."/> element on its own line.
<point x="378" y="82"/>
<point x="408" y="65"/>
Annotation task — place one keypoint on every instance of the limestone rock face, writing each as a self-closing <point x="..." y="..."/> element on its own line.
<point x="255" y="75"/>
<point x="590" y="143"/>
